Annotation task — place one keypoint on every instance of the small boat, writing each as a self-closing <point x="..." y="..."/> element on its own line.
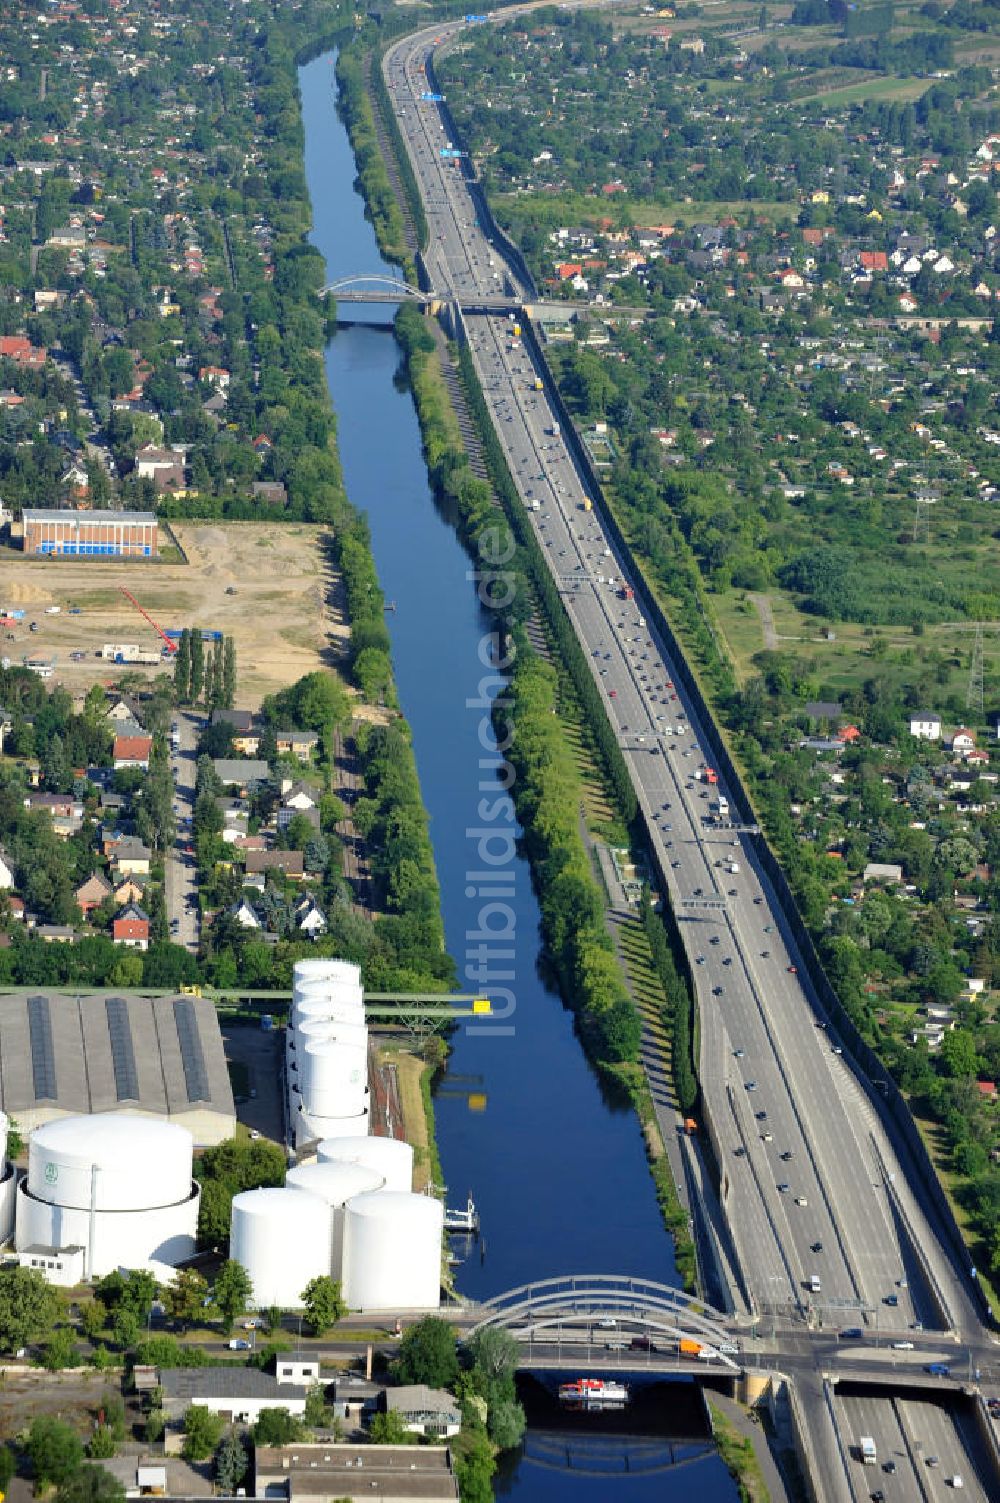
<point x="593" y="1393"/>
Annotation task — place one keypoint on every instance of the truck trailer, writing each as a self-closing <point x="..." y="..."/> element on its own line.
<point x="868" y="1453"/>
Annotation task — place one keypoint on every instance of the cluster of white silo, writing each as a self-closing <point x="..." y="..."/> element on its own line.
<point x="326" y="1051"/>
<point x="349" y="1212"/>
<point x="118" y="1186"/>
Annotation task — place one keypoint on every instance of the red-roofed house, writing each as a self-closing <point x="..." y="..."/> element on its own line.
<point x="569" y="269"/>
<point x="874" y="261"/>
<point x="132" y="751"/>
<point x="848" y="733"/>
<point x="15" y="347"/>
<point x="987" y="1089"/>
<point x="131" y="928"/>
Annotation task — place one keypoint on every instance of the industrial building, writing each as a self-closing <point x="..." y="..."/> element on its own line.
<point x="91" y="534"/>
<point x="302" y="1473"/>
<point x="117" y="1190"/>
<point x="63" y="1055"/>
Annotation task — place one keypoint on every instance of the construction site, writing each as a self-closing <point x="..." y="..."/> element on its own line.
<point x="83" y="620"/>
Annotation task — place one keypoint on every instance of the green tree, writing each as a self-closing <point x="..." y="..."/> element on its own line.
<point x="231" y="1463"/>
<point x="185" y="1298"/>
<point x="126" y="1327"/>
<point x="389" y="1429"/>
<point x="229" y="674"/>
<point x="54" y="1449"/>
<point x="61" y="1350"/>
<point x="202" y="1432"/>
<point x="276" y="1427"/>
<point x="427" y="1354"/>
<point x="197" y="677"/>
<point x="91" y="1484"/>
<point x="102" y="1443"/>
<point x="505" y="1422"/>
<point x="93" y="1318"/>
<point x="231" y="1292"/>
<point x="29" y="1307"/>
<point x="182" y="667"/>
<point x="474" y="1467"/>
<point x="322" y="1302"/>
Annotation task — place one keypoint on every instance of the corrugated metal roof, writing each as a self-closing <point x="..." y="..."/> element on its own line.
<point x="80" y="1053"/>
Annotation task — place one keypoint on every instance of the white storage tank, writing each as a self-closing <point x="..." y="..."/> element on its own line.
<point x="333" y="1078"/>
<point x="389" y="1157"/>
<point x="308" y="972"/>
<point x="139" y="1162"/>
<point x="117" y="1185"/>
<point x="335" y="1183"/>
<point x="317" y="1008"/>
<point x="392" y="1252"/>
<point x="341" y="1029"/>
<point x="281" y="1237"/>
<point x="310" y="1129"/>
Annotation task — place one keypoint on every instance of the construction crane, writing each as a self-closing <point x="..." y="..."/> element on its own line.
<point x="171" y="646"/>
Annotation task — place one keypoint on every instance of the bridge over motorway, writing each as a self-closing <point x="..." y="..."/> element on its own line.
<point x="375" y="288"/>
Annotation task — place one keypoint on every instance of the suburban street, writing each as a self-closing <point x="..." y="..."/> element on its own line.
<point x="827" y="1218"/>
<point x="180" y="877"/>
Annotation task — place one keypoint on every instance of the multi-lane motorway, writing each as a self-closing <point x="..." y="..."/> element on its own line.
<point x="811" y="1183"/>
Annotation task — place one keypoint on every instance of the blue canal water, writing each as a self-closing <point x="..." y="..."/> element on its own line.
<point x="556" y="1167"/>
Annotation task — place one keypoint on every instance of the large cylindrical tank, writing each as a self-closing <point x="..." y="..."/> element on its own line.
<point x="307" y="972"/>
<point x="142" y="1238"/>
<point x="335" y="1183"/>
<point x="392" y="1252"/>
<point x="310" y="1129"/>
<point x="117" y="1161"/>
<point x="389" y="1157"/>
<point x="317" y="1007"/>
<point x="4" y="1129"/>
<point x="334" y="1078"/>
<point x="282" y="1238"/>
<point x="346" y="1031"/>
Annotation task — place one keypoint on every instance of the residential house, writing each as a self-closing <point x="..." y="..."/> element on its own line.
<point x="132" y="751"/>
<point x="129" y="857"/>
<point x="288" y="863"/>
<point x="243" y="775"/>
<point x="128" y="890"/>
<point x="883" y="871"/>
<point x="123" y="711"/>
<point x="300" y="744"/>
<point x="431" y="1412"/>
<point x="92" y="893"/>
<point x="310" y="918"/>
<point x="246" y="737"/>
<point x="245" y="915"/>
<point x="131" y="927"/>
<point x="925" y="727"/>
<point x="961" y="742"/>
<point x="61" y="805"/>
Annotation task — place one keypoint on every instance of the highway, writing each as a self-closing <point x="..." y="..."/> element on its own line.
<point x="810" y="1179"/>
<point x="920" y="1445"/>
<point x="811" y="1183"/>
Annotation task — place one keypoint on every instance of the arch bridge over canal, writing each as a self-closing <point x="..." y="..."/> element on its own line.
<point x="611" y="1321"/>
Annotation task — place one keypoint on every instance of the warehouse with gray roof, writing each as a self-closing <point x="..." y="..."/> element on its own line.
<point x="64" y="1054"/>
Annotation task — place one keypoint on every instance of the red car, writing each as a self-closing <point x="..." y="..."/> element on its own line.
<point x="793" y="970"/>
<point x="612" y="693"/>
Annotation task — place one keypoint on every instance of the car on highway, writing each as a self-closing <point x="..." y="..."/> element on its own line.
<point x="851" y="1333"/>
<point x="717" y="991"/>
<point x="889" y="1466"/>
<point x="938" y="1370"/>
<point x="793" y="970"/>
<point x="877" y="1495"/>
<point x="902" y="1346"/>
<point x="739" y="1053"/>
<point x="783" y="1187"/>
<point x="751" y="1085"/>
<point x="786" y="1155"/>
<point x="800" y="1200"/>
<point x="816" y="1247"/>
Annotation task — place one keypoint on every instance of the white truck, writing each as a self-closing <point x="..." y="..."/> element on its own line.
<point x="815" y="1287"/>
<point x="868" y="1452"/>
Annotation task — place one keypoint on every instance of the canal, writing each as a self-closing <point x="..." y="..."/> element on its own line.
<point x="556" y="1166"/>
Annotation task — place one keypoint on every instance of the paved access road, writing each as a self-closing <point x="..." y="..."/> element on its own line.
<point x="787" y="1111"/>
<point x="181" y="875"/>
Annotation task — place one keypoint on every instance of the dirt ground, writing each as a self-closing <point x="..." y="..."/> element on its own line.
<point x="270" y="587"/>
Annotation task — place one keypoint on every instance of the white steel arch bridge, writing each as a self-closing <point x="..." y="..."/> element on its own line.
<point x="567" y="1311"/>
